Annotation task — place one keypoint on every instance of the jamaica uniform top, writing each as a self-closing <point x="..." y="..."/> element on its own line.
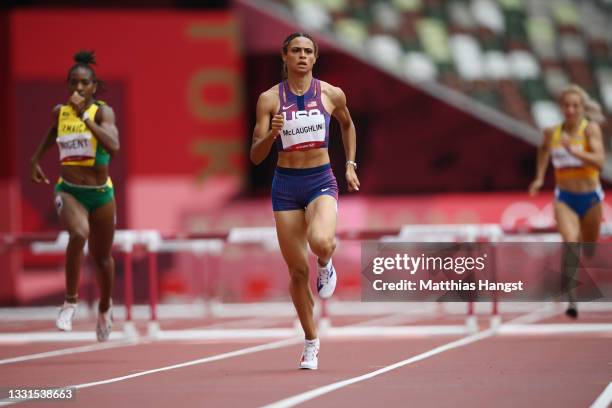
<point x="77" y="144"/>
<point x="568" y="166"/>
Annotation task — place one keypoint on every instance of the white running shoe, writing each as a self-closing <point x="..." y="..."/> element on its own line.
<point x="65" y="316"/>
<point x="326" y="280"/>
<point x="104" y="325"/>
<point x="310" y="360"/>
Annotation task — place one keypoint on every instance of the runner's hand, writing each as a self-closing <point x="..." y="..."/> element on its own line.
<point x="77" y="102"/>
<point x="535" y="186"/>
<point x="37" y="175"/>
<point x="277" y="123"/>
<point x="351" y="178"/>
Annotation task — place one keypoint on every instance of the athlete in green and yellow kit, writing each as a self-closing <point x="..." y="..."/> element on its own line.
<point x="85" y="132"/>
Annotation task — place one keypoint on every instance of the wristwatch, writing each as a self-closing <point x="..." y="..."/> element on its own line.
<point x="352" y="163"/>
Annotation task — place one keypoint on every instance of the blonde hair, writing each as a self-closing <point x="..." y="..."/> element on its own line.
<point x="592" y="109"/>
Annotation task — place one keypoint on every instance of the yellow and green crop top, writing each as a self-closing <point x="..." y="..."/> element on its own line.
<point x="77" y="145"/>
<point x="567" y="166"/>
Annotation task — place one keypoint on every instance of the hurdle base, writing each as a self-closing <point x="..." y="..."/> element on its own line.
<point x="495" y="322"/>
<point x="471" y="324"/>
<point x="324" y="325"/>
<point x="297" y="326"/>
<point x="129" y="331"/>
<point x="153" y="329"/>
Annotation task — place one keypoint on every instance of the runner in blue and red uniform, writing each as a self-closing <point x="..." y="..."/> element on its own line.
<point x="294" y="115"/>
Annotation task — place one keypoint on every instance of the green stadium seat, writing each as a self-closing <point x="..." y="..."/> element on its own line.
<point x="512" y="5"/>
<point x="351" y="31"/>
<point x="434" y="40"/>
<point x="565" y="13"/>
<point x="408" y="6"/>
<point x="335" y="6"/>
<point x="542" y="37"/>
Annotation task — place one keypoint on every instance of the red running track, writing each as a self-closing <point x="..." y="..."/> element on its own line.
<point x="565" y="370"/>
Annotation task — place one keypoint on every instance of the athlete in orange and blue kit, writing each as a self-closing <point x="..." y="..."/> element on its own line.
<point x="577" y="153"/>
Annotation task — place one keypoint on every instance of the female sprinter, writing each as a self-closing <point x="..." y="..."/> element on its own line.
<point x="294" y="115"/>
<point x="577" y="154"/>
<point x="85" y="132"/>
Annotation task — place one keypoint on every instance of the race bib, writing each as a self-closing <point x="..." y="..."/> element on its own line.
<point x="303" y="130"/>
<point x="76" y="146"/>
<point x="562" y="158"/>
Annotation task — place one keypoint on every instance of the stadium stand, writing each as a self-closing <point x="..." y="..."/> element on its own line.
<point x="513" y="55"/>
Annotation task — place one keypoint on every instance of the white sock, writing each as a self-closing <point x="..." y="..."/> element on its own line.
<point x="312" y="342"/>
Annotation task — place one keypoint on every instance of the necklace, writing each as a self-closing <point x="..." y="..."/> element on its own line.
<point x="298" y="91"/>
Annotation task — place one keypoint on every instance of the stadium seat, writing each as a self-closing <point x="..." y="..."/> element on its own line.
<point x="546" y="113"/>
<point x="417" y="66"/>
<point x="516" y="55"/>
<point x="386" y="50"/>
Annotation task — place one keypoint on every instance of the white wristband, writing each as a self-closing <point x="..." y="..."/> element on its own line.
<point x="352" y="163"/>
<point x="85" y="116"/>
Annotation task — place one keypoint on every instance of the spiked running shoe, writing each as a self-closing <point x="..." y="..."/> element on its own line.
<point x="65" y="316"/>
<point x="104" y="325"/>
<point x="326" y="280"/>
<point x="309" y="359"/>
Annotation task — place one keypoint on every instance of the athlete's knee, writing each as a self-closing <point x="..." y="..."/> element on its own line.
<point x="79" y="236"/>
<point x="299" y="275"/>
<point x="323" y="246"/>
<point x="104" y="262"/>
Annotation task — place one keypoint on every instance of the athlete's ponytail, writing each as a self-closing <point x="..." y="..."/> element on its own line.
<point x="84" y="59"/>
<point x="592" y="109"/>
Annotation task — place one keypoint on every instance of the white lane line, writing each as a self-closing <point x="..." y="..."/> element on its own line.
<point x="67" y="351"/>
<point x="210" y="359"/>
<point x="605" y="399"/>
<point x="217" y="357"/>
<point x="206" y="333"/>
<point x="279" y="309"/>
<point x="551" y="328"/>
<point x="284" y="343"/>
<point x="55" y="336"/>
<point x="308" y="395"/>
